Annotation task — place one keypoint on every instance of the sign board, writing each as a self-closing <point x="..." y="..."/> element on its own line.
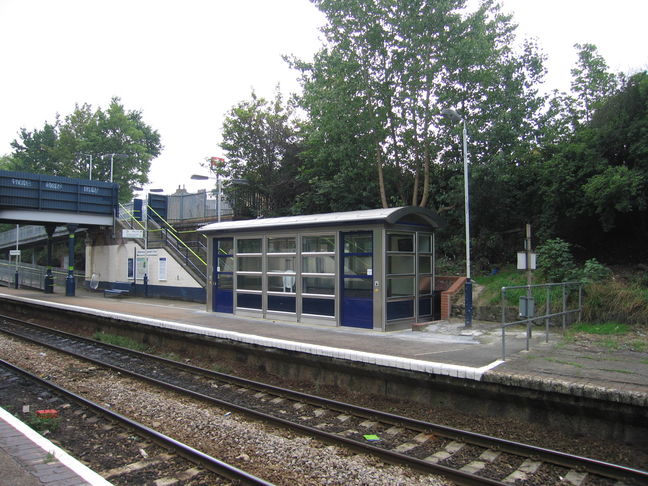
<point x="522" y="261"/>
<point x="132" y="233"/>
<point x="143" y="253"/>
<point x="14" y="252"/>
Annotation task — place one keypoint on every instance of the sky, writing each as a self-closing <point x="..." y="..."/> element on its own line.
<point x="185" y="64"/>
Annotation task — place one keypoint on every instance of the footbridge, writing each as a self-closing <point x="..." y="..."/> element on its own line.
<point x="52" y="202"/>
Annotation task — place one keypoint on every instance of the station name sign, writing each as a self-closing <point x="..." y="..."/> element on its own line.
<point x="132" y="233"/>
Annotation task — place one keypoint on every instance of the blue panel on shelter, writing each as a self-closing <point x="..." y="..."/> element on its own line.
<point x="400" y="309"/>
<point x="250" y="301"/>
<point x="282" y="303"/>
<point x="357" y="312"/>
<point x="223" y="301"/>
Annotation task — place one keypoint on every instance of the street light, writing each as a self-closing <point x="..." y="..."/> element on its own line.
<point x="199" y="177"/>
<point x="112" y="156"/>
<point x="452" y="114"/>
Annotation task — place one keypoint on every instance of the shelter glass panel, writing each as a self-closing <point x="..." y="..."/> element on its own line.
<point x="281" y="284"/>
<point x="360" y="243"/>
<point x="248" y="282"/>
<point x="400" y="242"/>
<point x="400" y="286"/>
<point x="425" y="264"/>
<point x="252" y="245"/>
<point x="400" y="264"/>
<point x="318" y="285"/>
<point x="318" y="264"/>
<point x="250" y="301"/>
<point x="282" y="264"/>
<point x="424" y="243"/>
<point x="282" y="245"/>
<point x="318" y="244"/>
<point x="249" y="264"/>
<point x="358" y="288"/>
<point x="357" y="265"/>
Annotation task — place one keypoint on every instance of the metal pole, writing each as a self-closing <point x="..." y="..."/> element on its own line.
<point x="218" y="190"/>
<point x="468" y="287"/>
<point x="146" y="252"/>
<point x="90" y="167"/>
<point x="503" y="322"/>
<point x="17" y="256"/>
<point x="111" y="166"/>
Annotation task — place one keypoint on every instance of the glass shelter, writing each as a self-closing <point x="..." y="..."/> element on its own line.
<point x="370" y="269"/>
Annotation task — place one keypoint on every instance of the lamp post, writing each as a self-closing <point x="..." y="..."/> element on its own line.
<point x="452" y="114"/>
<point x="112" y="157"/>
<point x="198" y="177"/>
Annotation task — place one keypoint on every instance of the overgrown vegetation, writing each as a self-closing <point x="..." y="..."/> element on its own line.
<point x="124" y="342"/>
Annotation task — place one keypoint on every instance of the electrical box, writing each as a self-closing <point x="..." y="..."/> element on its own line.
<point x="527" y="307"/>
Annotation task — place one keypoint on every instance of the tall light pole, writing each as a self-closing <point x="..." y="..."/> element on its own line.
<point x="214" y="164"/>
<point x="112" y="157"/>
<point x="452" y="114"/>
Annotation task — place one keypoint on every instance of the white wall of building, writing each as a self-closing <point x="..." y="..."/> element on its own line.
<point x="110" y="263"/>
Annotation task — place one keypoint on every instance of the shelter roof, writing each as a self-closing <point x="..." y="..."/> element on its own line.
<point x="401" y="215"/>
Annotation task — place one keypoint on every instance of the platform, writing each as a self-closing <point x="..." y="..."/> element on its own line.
<point x="446" y="347"/>
<point x="29" y="459"/>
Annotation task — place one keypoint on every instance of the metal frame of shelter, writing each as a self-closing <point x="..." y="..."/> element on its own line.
<point x="370" y="269"/>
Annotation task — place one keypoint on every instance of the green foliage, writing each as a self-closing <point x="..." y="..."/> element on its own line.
<point x="555" y="260"/>
<point x="601" y="328"/>
<point x="262" y="143"/>
<point x="116" y="340"/>
<point x="615" y="301"/>
<point x="593" y="271"/>
<point x="65" y="147"/>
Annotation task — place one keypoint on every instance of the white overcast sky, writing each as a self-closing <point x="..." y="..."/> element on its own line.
<point x="184" y="64"/>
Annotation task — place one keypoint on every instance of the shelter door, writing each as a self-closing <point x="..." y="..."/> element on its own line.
<point x="223" y="288"/>
<point x="357" y="280"/>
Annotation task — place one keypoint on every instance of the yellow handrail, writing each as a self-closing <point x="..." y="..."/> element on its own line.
<point x="175" y="235"/>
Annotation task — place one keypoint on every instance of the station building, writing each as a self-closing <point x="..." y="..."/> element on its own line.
<point x="372" y="269"/>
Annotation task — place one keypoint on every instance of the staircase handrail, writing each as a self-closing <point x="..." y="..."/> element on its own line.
<point x="175" y="236"/>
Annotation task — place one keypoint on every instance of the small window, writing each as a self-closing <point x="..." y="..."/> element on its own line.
<point x="400" y="242"/>
<point x="281" y="245"/>
<point x="318" y="244"/>
<point x="318" y="285"/>
<point x="249" y="264"/>
<point x="318" y="264"/>
<point x="249" y="245"/>
<point x="248" y="282"/>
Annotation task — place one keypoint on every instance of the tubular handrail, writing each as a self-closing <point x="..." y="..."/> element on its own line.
<point x="547" y="316"/>
<point x="175" y="236"/>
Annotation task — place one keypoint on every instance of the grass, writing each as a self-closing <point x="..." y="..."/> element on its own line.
<point x="124" y="342"/>
<point x="602" y="328"/>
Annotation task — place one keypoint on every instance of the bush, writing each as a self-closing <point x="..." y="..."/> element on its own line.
<point x="555" y="260"/>
<point x="593" y="271"/>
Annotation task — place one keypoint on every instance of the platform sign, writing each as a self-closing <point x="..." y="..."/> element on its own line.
<point x="132" y="233"/>
<point x="14" y="252"/>
<point x="144" y="253"/>
<point x="522" y="261"/>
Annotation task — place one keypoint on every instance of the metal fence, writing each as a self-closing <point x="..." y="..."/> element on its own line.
<point x="33" y="276"/>
<point x="570" y="304"/>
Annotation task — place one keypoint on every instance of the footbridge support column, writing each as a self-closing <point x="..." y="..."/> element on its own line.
<point x="49" y="278"/>
<point x="69" y="281"/>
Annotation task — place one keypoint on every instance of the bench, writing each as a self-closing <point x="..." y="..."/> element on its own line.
<point x="115" y="293"/>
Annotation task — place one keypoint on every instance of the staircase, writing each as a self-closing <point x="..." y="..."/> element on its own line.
<point x="191" y="255"/>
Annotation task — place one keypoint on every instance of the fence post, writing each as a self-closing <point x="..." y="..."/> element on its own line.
<point x="548" y="310"/>
<point x="503" y="322"/>
<point x="580" y="301"/>
<point x="564" y="308"/>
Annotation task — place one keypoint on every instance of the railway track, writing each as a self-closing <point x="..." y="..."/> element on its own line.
<point x="462" y="457"/>
<point x="121" y="450"/>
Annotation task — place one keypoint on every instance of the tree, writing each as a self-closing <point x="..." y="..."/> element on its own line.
<point x="388" y="68"/>
<point x="262" y="144"/>
<point x="65" y="147"/>
<point x="591" y="82"/>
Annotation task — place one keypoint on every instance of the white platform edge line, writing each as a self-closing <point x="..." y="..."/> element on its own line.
<point x="467" y="372"/>
<point x="48" y="447"/>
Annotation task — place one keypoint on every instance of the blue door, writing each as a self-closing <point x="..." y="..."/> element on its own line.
<point x="223" y="289"/>
<point x="357" y="280"/>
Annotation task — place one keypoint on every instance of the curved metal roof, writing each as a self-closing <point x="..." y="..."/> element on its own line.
<point x="405" y="215"/>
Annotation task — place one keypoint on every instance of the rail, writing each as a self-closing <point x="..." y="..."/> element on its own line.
<point x="33" y="276"/>
<point x="527" y="309"/>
